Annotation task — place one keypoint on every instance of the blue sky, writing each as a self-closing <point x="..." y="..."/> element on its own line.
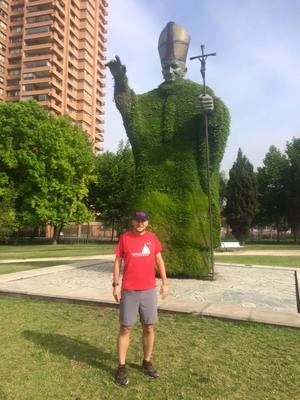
<point x="256" y="71"/>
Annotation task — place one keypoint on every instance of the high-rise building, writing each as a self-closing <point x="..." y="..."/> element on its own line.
<point x="54" y="51"/>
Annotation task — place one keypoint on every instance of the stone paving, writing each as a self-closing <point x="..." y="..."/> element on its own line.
<point x="262" y="294"/>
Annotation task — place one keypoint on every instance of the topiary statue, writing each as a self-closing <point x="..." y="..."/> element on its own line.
<point x="166" y="130"/>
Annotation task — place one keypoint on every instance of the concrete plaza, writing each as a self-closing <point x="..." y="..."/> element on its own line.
<point x="248" y="293"/>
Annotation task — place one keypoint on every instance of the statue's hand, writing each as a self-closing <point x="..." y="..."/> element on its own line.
<point x="207" y="102"/>
<point x="116" y="68"/>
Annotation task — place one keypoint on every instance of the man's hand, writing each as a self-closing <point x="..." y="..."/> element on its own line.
<point x="164" y="290"/>
<point x="117" y="293"/>
<point x="207" y="102"/>
<point x="116" y="68"/>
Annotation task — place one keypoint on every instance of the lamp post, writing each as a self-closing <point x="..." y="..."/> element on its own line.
<point x="202" y="58"/>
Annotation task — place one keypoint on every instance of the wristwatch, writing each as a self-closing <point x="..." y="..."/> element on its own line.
<point x="114" y="284"/>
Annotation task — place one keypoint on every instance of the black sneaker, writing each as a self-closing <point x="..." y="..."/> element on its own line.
<point x="121" y="376"/>
<point x="149" y="370"/>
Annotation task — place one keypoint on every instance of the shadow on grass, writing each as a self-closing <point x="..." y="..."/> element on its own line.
<point x="73" y="349"/>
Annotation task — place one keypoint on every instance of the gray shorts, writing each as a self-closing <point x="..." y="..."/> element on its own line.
<point x="143" y="302"/>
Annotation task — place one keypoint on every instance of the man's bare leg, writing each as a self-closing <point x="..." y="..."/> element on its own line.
<point x="148" y="341"/>
<point x="123" y="343"/>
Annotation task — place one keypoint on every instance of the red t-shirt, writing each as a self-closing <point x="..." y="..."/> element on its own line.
<point x="138" y="253"/>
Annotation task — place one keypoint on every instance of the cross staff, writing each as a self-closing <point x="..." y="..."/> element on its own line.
<point x="202" y="58"/>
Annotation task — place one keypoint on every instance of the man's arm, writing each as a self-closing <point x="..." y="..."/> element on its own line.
<point x="162" y="273"/>
<point x="116" y="277"/>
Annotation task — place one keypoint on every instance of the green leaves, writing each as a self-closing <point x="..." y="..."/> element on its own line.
<point x="166" y="130"/>
<point x="271" y="180"/>
<point x="293" y="185"/>
<point x="241" y="197"/>
<point x="48" y="161"/>
<point x="113" y="191"/>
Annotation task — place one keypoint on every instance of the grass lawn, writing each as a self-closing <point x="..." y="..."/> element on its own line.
<point x="24" y="266"/>
<point x="53" y="250"/>
<point x="279" y="261"/>
<point x="54" y="351"/>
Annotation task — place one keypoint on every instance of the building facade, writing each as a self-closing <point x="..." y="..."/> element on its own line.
<point x="54" y="51"/>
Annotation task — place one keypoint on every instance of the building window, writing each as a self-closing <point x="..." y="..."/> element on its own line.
<point x="16" y="19"/>
<point x="38" y="97"/>
<point x="15" y="51"/>
<point x="38" y="29"/>
<point x="37" y="52"/>
<point x="37" y="41"/>
<point x="35" y="86"/>
<point x="13" y="93"/>
<point x="36" y="75"/>
<point x="4" y="3"/>
<point x="13" y="61"/>
<point x="3" y="25"/>
<point x="15" y="71"/>
<point x="14" y="40"/>
<point x="38" y="63"/>
<point x="40" y="7"/>
<point x="13" y="82"/>
<point x="3" y="14"/>
<point x="17" y="9"/>
<point x="40" y="18"/>
<point x="16" y="29"/>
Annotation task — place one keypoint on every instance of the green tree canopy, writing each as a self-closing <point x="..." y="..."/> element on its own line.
<point x="272" y="186"/>
<point x="293" y="185"/>
<point x="241" y="195"/>
<point x="112" y="194"/>
<point x="47" y="161"/>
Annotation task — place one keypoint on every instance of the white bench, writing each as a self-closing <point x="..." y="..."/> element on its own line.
<point x="230" y="245"/>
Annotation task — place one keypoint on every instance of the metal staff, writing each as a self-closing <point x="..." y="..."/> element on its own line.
<point x="202" y="58"/>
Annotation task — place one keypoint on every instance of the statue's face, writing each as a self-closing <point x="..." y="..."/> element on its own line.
<point x="173" y="69"/>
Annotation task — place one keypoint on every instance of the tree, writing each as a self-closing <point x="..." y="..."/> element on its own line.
<point x="8" y="223"/>
<point x="222" y="190"/>
<point x="113" y="191"/>
<point x="49" y="163"/>
<point x="293" y="185"/>
<point x="271" y="180"/>
<point x="241" y="195"/>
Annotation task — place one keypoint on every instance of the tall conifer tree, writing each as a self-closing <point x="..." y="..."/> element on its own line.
<point x="271" y="181"/>
<point x="241" y="195"/>
<point x="293" y="186"/>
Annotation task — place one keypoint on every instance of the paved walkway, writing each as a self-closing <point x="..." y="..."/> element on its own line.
<point x="251" y="293"/>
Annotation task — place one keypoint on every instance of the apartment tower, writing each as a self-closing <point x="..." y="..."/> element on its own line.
<point x="54" y="51"/>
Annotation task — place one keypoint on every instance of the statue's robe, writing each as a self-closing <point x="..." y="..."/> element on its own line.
<point x="166" y="130"/>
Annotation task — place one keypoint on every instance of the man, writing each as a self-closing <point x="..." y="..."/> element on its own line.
<point x="166" y="130"/>
<point x="141" y="252"/>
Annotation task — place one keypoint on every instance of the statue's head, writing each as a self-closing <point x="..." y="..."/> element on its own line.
<point x="173" y="46"/>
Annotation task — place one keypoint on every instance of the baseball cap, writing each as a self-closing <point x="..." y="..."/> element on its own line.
<point x="140" y="215"/>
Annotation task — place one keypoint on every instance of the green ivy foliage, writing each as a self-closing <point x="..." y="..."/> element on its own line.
<point x="166" y="130"/>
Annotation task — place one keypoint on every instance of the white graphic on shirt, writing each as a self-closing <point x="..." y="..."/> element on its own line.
<point x="145" y="251"/>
